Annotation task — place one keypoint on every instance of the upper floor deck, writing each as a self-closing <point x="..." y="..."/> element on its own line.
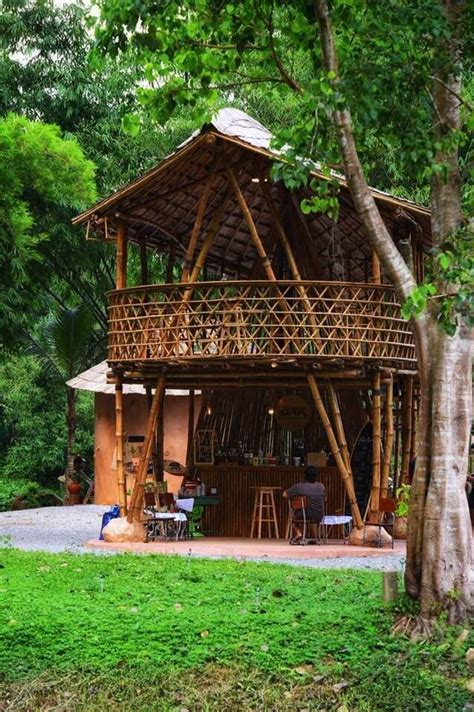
<point x="257" y="322"/>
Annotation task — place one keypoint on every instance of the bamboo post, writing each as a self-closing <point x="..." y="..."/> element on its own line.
<point x="202" y="205"/>
<point x="208" y="240"/>
<point x="387" y="455"/>
<point x="341" y="435"/>
<point x="376" y="448"/>
<point x="136" y="499"/>
<point x="159" y="442"/>
<point x="407" y="404"/>
<point x="307" y="237"/>
<point x="170" y="264"/>
<point x="143" y="262"/>
<point x="289" y="255"/>
<point x="189" y="448"/>
<point x="347" y="479"/>
<point x="258" y="244"/>
<point x="121" y="257"/>
<point x="119" y="447"/>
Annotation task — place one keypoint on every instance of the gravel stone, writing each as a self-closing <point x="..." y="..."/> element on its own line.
<point x="57" y="529"/>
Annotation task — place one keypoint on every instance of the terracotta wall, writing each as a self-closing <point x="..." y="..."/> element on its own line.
<point x="175" y="423"/>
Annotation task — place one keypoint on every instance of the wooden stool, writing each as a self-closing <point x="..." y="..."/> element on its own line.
<point x="264" y="510"/>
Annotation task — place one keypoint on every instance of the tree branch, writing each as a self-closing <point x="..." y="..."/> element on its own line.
<point x="368" y="212"/>
<point x="451" y="91"/>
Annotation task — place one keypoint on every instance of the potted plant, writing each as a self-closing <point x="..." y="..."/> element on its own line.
<point x="401" y="512"/>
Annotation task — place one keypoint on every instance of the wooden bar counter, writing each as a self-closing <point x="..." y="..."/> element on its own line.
<point x="233" y="516"/>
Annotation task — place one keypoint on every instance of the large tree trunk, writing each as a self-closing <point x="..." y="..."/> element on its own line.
<point x="71" y="433"/>
<point x="439" y="532"/>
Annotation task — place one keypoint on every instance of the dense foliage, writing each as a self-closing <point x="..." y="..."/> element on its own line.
<point x="171" y="633"/>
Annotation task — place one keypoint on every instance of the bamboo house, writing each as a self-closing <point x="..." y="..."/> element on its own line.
<point x="284" y="321"/>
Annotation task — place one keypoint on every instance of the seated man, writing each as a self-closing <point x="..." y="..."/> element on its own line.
<point x="315" y="493"/>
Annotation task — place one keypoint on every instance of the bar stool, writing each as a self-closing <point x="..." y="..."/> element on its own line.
<point x="264" y="511"/>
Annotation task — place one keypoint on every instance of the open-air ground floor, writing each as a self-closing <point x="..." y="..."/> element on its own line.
<point x="76" y="529"/>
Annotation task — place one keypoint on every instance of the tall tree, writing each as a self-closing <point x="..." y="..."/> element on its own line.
<point x="40" y="172"/>
<point x="64" y="347"/>
<point x="377" y="78"/>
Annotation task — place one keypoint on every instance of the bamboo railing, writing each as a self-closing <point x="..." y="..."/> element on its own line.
<point x="254" y="320"/>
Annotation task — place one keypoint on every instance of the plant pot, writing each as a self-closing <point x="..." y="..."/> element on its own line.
<point x="400" y="529"/>
<point x="74" y="488"/>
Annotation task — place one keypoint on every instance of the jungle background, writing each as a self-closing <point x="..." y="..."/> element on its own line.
<point x="51" y="77"/>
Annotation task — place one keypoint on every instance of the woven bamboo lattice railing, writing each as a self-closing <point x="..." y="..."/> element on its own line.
<point x="258" y="320"/>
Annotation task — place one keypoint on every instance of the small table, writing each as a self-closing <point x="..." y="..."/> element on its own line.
<point x="166" y="525"/>
<point x="331" y="520"/>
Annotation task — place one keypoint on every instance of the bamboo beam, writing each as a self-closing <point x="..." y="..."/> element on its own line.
<point x="121" y="257"/>
<point x="189" y="447"/>
<point x="258" y="244"/>
<point x="208" y="240"/>
<point x="389" y="428"/>
<point x="202" y="205"/>
<point x="341" y="435"/>
<point x="119" y="447"/>
<point x="376" y="449"/>
<point x="407" y="405"/>
<point x="136" y="499"/>
<point x="143" y="262"/>
<point x="347" y="479"/>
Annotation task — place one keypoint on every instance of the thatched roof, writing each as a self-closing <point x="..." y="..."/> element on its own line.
<point x="95" y="380"/>
<point x="160" y="206"/>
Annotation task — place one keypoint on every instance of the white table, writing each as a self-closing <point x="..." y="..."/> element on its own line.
<point x="332" y="520"/>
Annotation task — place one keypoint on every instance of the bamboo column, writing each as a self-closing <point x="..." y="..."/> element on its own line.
<point x="134" y="510"/>
<point x="202" y="205"/>
<point x="387" y="455"/>
<point x="347" y="479"/>
<point x="121" y="257"/>
<point x="119" y="447"/>
<point x="189" y="447"/>
<point x="376" y="271"/>
<point x="376" y="448"/>
<point x="258" y="244"/>
<point x="407" y="405"/>
<point x="170" y="263"/>
<point x="341" y="435"/>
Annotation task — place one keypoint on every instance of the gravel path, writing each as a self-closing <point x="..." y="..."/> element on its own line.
<point x="58" y="529"/>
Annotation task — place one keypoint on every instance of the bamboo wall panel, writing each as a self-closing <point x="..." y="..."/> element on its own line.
<point x="232" y="517"/>
<point x="235" y="321"/>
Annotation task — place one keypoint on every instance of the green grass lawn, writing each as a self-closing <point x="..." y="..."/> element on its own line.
<point x="168" y="633"/>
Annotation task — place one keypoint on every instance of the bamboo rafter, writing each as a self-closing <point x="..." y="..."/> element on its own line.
<point x="234" y="320"/>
